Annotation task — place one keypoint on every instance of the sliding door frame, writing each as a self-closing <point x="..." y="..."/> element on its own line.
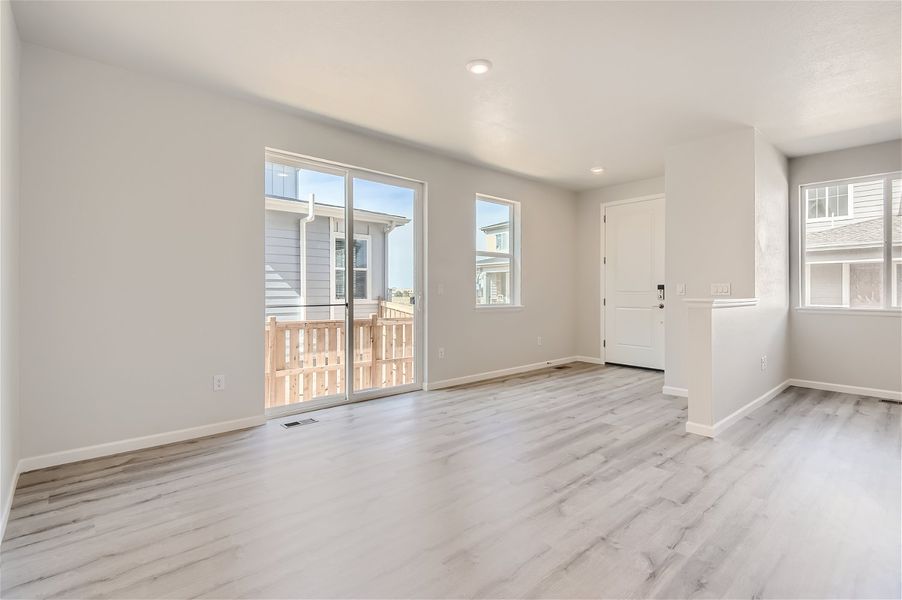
<point x="418" y="187"/>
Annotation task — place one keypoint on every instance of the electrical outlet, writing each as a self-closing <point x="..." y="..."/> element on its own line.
<point x="720" y="289"/>
<point x="441" y="353"/>
<point x="218" y="383"/>
<point x="539" y="341"/>
<point x="440" y="289"/>
<point x="764" y="363"/>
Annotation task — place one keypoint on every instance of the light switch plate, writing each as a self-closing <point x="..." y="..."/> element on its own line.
<point x="681" y="289"/>
<point x="720" y="289"/>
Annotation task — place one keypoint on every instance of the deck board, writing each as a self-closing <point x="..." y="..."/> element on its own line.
<point x="573" y="483"/>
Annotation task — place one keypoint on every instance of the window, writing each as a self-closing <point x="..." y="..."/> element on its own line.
<point x="497" y="252"/>
<point x="829" y="202"/>
<point x="852" y="243"/>
<point x="360" y="265"/>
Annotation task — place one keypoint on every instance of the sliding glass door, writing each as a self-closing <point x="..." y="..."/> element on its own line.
<point x="324" y="345"/>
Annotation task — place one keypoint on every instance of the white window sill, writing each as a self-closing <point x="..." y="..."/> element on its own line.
<point x="853" y="312"/>
<point x="498" y="307"/>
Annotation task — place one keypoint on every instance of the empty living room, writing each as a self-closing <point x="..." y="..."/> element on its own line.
<point x="450" y="299"/>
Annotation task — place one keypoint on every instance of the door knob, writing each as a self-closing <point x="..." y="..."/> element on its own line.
<point x="661" y="305"/>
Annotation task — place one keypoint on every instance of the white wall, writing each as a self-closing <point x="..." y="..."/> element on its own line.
<point x="842" y="349"/>
<point x="710" y="225"/>
<point x="727" y="223"/>
<point x="743" y="335"/>
<point x="588" y="257"/>
<point x="9" y="256"/>
<point x="120" y="338"/>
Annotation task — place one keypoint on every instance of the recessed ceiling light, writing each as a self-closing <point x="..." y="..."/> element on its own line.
<point x="597" y="170"/>
<point x="480" y="66"/>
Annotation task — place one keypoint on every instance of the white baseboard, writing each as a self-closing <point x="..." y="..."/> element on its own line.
<point x="699" y="429"/>
<point x="588" y="359"/>
<point x="446" y="383"/>
<point x="847" y="389"/>
<point x="675" y="391"/>
<point x="720" y="426"/>
<point x="148" y="441"/>
<point x="9" y="499"/>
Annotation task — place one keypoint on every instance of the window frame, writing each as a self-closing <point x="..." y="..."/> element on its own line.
<point x="886" y="306"/>
<point x="333" y="263"/>
<point x="513" y="253"/>
<point x="850" y="196"/>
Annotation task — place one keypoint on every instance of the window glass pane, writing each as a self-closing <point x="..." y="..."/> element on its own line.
<point x="493" y="280"/>
<point x="844" y="245"/>
<point x="340" y="284"/>
<point x="286" y="181"/>
<point x="842" y="202"/>
<point x="897" y="242"/>
<point x="493" y="225"/>
<point x="866" y="285"/>
<point x="360" y="254"/>
<point x="359" y="284"/>
<point x="825" y="284"/>
<point x="339" y="253"/>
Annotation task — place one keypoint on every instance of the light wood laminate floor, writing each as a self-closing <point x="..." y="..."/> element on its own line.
<point x="570" y="483"/>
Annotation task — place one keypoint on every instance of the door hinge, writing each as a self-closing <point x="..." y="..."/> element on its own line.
<point x="605" y="260"/>
<point x="605" y="219"/>
<point x="604" y="343"/>
<point x="604" y="301"/>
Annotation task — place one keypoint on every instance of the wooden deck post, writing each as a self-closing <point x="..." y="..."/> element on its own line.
<point x="375" y="347"/>
<point x="270" y="362"/>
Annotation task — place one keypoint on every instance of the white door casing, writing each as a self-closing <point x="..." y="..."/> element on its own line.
<point x="633" y="270"/>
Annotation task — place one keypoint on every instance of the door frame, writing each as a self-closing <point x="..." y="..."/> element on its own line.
<point x="420" y="189"/>
<point x="602" y="265"/>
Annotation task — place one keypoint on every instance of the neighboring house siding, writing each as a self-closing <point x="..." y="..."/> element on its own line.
<point x="284" y="270"/>
<point x="283" y="255"/>
<point x="867" y="203"/>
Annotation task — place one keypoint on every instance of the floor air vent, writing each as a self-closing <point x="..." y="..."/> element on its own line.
<point x="291" y="424"/>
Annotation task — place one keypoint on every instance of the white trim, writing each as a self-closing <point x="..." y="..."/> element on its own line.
<point x="849" y="312"/>
<point x="713" y="303"/>
<point x="502" y="307"/>
<point x="720" y="426"/>
<point x="848" y="389"/>
<point x="148" y="441"/>
<point x="699" y="429"/>
<point x="513" y="255"/>
<point x="445" y="383"/>
<point x="592" y="360"/>
<point x="631" y="200"/>
<point x="675" y="391"/>
<point x="306" y="161"/>
<point x="9" y="498"/>
<point x="887" y="243"/>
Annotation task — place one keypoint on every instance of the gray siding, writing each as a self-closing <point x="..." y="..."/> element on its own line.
<point x="284" y="271"/>
<point x="867" y="203"/>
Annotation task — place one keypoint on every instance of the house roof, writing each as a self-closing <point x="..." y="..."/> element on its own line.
<point x="856" y="234"/>
<point x="496" y="226"/>
<point x="333" y="210"/>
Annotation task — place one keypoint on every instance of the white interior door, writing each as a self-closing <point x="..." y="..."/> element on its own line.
<point x="634" y="283"/>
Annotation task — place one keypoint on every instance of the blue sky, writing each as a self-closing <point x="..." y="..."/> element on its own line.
<point x="377" y="197"/>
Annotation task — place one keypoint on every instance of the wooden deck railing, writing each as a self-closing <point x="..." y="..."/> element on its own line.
<point x="395" y="310"/>
<point x="306" y="359"/>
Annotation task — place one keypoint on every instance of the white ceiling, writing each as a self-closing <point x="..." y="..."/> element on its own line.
<point x="574" y="84"/>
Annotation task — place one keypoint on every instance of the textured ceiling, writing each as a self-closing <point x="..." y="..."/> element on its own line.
<point x="574" y="84"/>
